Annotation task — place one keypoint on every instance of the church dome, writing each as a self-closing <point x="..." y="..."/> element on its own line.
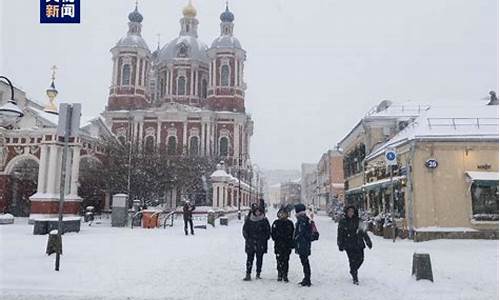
<point x="189" y="11"/>
<point x="135" y="16"/>
<point x="184" y="46"/>
<point x="227" y="15"/>
<point x="226" y="41"/>
<point x="132" y="40"/>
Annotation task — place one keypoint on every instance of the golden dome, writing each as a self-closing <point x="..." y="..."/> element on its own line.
<point x="189" y="10"/>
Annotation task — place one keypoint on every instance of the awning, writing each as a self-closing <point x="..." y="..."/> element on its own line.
<point x="386" y="182"/>
<point x="370" y="186"/>
<point x="483" y="178"/>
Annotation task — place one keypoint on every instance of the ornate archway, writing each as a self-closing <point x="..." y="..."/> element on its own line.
<point x="23" y="172"/>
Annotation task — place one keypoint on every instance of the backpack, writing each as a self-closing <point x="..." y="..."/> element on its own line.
<point x="315" y="232"/>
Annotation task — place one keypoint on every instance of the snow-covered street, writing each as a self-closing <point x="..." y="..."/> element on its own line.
<point x="102" y="262"/>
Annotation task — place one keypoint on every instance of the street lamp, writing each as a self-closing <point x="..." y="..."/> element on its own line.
<point x="10" y="112"/>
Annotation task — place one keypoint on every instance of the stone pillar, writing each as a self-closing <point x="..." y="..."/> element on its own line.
<point x="119" y="215"/>
<point x="75" y="168"/>
<point x="42" y="170"/>
<point x="184" y="137"/>
<point x="52" y="172"/>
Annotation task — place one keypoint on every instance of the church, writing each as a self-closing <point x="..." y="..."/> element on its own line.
<point x="184" y="98"/>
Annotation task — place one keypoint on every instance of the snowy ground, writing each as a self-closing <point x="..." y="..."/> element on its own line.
<point x="102" y="262"/>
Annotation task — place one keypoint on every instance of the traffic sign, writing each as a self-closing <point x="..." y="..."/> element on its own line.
<point x="391" y="157"/>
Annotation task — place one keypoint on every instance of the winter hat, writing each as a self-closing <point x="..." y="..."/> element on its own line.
<point x="282" y="210"/>
<point x="253" y="207"/>
<point x="300" y="207"/>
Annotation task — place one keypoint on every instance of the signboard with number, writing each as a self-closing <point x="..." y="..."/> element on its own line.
<point x="391" y="157"/>
<point x="431" y="163"/>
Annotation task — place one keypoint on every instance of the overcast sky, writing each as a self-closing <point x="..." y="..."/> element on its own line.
<point x="313" y="68"/>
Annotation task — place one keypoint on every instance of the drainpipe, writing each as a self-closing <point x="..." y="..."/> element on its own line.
<point x="410" y="162"/>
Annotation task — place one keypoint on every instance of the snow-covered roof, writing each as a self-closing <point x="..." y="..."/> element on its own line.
<point x="487" y="176"/>
<point x="442" y="122"/>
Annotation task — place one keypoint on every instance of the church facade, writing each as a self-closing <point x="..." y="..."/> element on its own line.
<point x="184" y="98"/>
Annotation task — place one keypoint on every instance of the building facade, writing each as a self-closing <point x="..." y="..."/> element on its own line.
<point x="184" y="98"/>
<point x="308" y="184"/>
<point x="290" y="193"/>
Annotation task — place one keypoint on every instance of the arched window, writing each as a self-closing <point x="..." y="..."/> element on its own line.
<point x="172" y="145"/>
<point x="193" y="146"/>
<point x="181" y="85"/>
<point x="183" y="50"/>
<point x="122" y="139"/>
<point x="223" y="146"/>
<point x="149" y="145"/>
<point x="224" y="73"/>
<point x="204" y="86"/>
<point x="126" y="75"/>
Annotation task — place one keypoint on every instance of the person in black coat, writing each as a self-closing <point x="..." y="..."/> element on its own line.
<point x="282" y="235"/>
<point x="187" y="213"/>
<point x="352" y="237"/>
<point x="256" y="231"/>
<point x="303" y="237"/>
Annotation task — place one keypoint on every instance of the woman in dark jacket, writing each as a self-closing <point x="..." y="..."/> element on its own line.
<point x="351" y="237"/>
<point x="256" y="231"/>
<point x="282" y="235"/>
<point x="302" y="237"/>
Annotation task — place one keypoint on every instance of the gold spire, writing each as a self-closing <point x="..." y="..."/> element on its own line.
<point x="51" y="106"/>
<point x="189" y="11"/>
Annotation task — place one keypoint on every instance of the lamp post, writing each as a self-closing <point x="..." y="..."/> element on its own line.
<point x="10" y="111"/>
<point x="240" y="156"/>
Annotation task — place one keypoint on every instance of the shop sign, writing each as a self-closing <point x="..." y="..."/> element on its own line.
<point x="431" y="163"/>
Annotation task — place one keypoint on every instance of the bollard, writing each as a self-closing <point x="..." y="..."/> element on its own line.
<point x="54" y="243"/>
<point x="224" y="221"/>
<point x="421" y="266"/>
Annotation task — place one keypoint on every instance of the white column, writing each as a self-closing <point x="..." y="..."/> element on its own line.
<point x="141" y="133"/>
<point x="52" y="172"/>
<point x="42" y="170"/>
<point x="202" y="139"/>
<point x="236" y="141"/>
<point x="184" y="137"/>
<point x="170" y="86"/>
<point x="158" y="132"/>
<point x="75" y="168"/>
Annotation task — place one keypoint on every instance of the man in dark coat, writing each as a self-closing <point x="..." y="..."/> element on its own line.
<point x="282" y="235"/>
<point x="187" y="213"/>
<point x="351" y="237"/>
<point x="302" y="237"/>
<point x="256" y="231"/>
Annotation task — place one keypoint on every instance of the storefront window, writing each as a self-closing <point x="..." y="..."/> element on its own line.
<point x="484" y="201"/>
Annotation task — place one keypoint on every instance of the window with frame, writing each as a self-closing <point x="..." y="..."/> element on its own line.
<point x="224" y="75"/>
<point x="224" y="146"/>
<point x="126" y="75"/>
<point x="193" y="146"/>
<point x="171" y="145"/>
<point x="149" y="145"/>
<point x="484" y="196"/>
<point x="181" y="85"/>
<point x="204" y="88"/>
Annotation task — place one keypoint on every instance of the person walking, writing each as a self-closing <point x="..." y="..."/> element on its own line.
<point x="282" y="235"/>
<point x="303" y="237"/>
<point x="256" y="231"/>
<point x="187" y="213"/>
<point x="352" y="237"/>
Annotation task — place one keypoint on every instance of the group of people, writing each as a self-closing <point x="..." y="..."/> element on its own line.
<point x="351" y="238"/>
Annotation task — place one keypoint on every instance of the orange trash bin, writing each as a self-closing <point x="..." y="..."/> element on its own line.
<point x="149" y="219"/>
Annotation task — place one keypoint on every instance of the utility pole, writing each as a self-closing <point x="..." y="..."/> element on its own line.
<point x="239" y="186"/>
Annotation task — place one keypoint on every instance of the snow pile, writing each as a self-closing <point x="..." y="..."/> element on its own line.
<point x="6" y="219"/>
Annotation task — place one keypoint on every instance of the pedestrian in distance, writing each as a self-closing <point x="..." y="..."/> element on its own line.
<point x="187" y="213"/>
<point x="256" y="231"/>
<point x="352" y="237"/>
<point x="282" y="235"/>
<point x="303" y="236"/>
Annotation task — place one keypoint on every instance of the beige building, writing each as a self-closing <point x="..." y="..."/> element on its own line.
<point x="446" y="180"/>
<point x="378" y="126"/>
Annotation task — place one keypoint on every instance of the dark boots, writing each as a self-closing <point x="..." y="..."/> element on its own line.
<point x="258" y="276"/>
<point x="355" y="277"/>
<point x="280" y="277"/>
<point x="247" y="277"/>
